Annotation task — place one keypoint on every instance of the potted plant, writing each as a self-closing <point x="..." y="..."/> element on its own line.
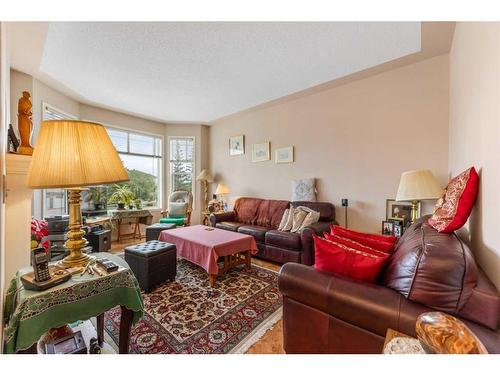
<point x="122" y="196"/>
<point x="98" y="197"/>
<point x="138" y="204"/>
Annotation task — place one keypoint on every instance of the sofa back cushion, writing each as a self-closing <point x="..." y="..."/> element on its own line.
<point x="270" y="213"/>
<point x="434" y="269"/>
<point x="246" y="210"/>
<point x="326" y="209"/>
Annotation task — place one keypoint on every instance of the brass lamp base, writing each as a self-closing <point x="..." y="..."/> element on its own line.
<point x="76" y="242"/>
<point x="75" y="260"/>
<point x="414" y="211"/>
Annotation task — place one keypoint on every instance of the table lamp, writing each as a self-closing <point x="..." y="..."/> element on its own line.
<point x="221" y="191"/>
<point x="416" y="186"/>
<point x="205" y="177"/>
<point x="73" y="154"/>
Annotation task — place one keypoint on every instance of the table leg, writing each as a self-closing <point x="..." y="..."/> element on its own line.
<point x="212" y="279"/>
<point x="100" y="329"/>
<point x="138" y="225"/>
<point x="125" y="325"/>
<point x="119" y="230"/>
<point x="248" y="258"/>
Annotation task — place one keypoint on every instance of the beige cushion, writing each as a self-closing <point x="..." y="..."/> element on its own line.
<point x="289" y="220"/>
<point x="298" y="218"/>
<point x="177" y="209"/>
<point x="284" y="219"/>
<point x="311" y="218"/>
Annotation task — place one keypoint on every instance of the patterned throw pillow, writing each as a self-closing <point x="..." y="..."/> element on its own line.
<point x="453" y="208"/>
<point x="304" y="190"/>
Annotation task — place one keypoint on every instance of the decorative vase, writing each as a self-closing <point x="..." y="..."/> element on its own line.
<point x="121" y="206"/>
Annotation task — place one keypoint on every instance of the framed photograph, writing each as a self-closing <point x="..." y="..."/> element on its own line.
<point x="284" y="155"/>
<point x="387" y="228"/>
<point x="400" y="210"/>
<point x="397" y="230"/>
<point x="237" y="145"/>
<point x="260" y="151"/>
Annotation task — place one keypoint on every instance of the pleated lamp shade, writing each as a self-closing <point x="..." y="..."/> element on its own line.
<point x="72" y="154"/>
<point x="222" y="189"/>
<point x="418" y="185"/>
<point x="205" y="175"/>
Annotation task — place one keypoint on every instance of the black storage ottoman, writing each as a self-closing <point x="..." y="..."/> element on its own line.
<point x="152" y="263"/>
<point x="153" y="231"/>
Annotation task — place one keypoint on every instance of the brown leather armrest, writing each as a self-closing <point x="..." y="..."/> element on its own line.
<point x="307" y="239"/>
<point x="372" y="307"/>
<point x="223" y="216"/>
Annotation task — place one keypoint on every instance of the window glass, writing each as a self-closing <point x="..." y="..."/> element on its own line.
<point x="181" y="164"/>
<point x="142" y="144"/>
<point x="119" y="139"/>
<point x="141" y="156"/>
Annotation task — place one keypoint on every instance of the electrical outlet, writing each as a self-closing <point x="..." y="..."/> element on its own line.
<point x="345" y="202"/>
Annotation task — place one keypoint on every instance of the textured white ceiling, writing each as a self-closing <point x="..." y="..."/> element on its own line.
<point x="199" y="72"/>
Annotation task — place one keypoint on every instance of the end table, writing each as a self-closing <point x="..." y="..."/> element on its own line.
<point x="29" y="314"/>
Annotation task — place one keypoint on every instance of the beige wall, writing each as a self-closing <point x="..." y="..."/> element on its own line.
<point x="475" y="132"/>
<point x="356" y="139"/>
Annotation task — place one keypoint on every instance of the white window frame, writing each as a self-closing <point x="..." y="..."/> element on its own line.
<point x="193" y="181"/>
<point x="159" y="204"/>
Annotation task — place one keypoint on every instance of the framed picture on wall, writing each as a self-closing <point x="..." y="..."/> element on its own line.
<point x="260" y="151"/>
<point x="284" y="155"/>
<point x="237" y="145"/>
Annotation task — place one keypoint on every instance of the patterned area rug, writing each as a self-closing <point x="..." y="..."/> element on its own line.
<point x="188" y="316"/>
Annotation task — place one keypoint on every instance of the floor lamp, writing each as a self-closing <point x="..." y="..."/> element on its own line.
<point x="73" y="154"/>
<point x="205" y="177"/>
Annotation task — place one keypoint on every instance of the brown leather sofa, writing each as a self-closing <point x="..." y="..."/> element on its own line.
<point x="261" y="218"/>
<point x="429" y="271"/>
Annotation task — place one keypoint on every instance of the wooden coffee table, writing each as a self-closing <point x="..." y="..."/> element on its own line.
<point x="204" y="245"/>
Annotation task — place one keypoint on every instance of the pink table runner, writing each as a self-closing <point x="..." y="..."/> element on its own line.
<point x="203" y="247"/>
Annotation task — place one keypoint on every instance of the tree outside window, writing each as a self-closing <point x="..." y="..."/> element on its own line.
<point x="181" y="164"/>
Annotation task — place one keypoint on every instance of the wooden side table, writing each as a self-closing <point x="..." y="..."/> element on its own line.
<point x="29" y="314"/>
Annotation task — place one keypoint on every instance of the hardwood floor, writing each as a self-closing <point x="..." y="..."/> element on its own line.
<point x="272" y="341"/>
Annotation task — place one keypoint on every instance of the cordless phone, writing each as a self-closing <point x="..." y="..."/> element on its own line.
<point x="43" y="276"/>
<point x="41" y="264"/>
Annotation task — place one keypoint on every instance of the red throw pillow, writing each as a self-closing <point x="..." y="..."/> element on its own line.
<point x="355" y="245"/>
<point x="375" y="241"/>
<point x="454" y="207"/>
<point x="337" y="258"/>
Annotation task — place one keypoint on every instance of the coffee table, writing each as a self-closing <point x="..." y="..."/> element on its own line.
<point x="204" y="245"/>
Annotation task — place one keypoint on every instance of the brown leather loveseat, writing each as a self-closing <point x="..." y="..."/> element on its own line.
<point x="261" y="218"/>
<point x="428" y="271"/>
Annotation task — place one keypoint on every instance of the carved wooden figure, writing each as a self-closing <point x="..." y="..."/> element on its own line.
<point x="444" y="334"/>
<point x="24" y="123"/>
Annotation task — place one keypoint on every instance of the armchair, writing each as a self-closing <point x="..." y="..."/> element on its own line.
<point x="180" y="206"/>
